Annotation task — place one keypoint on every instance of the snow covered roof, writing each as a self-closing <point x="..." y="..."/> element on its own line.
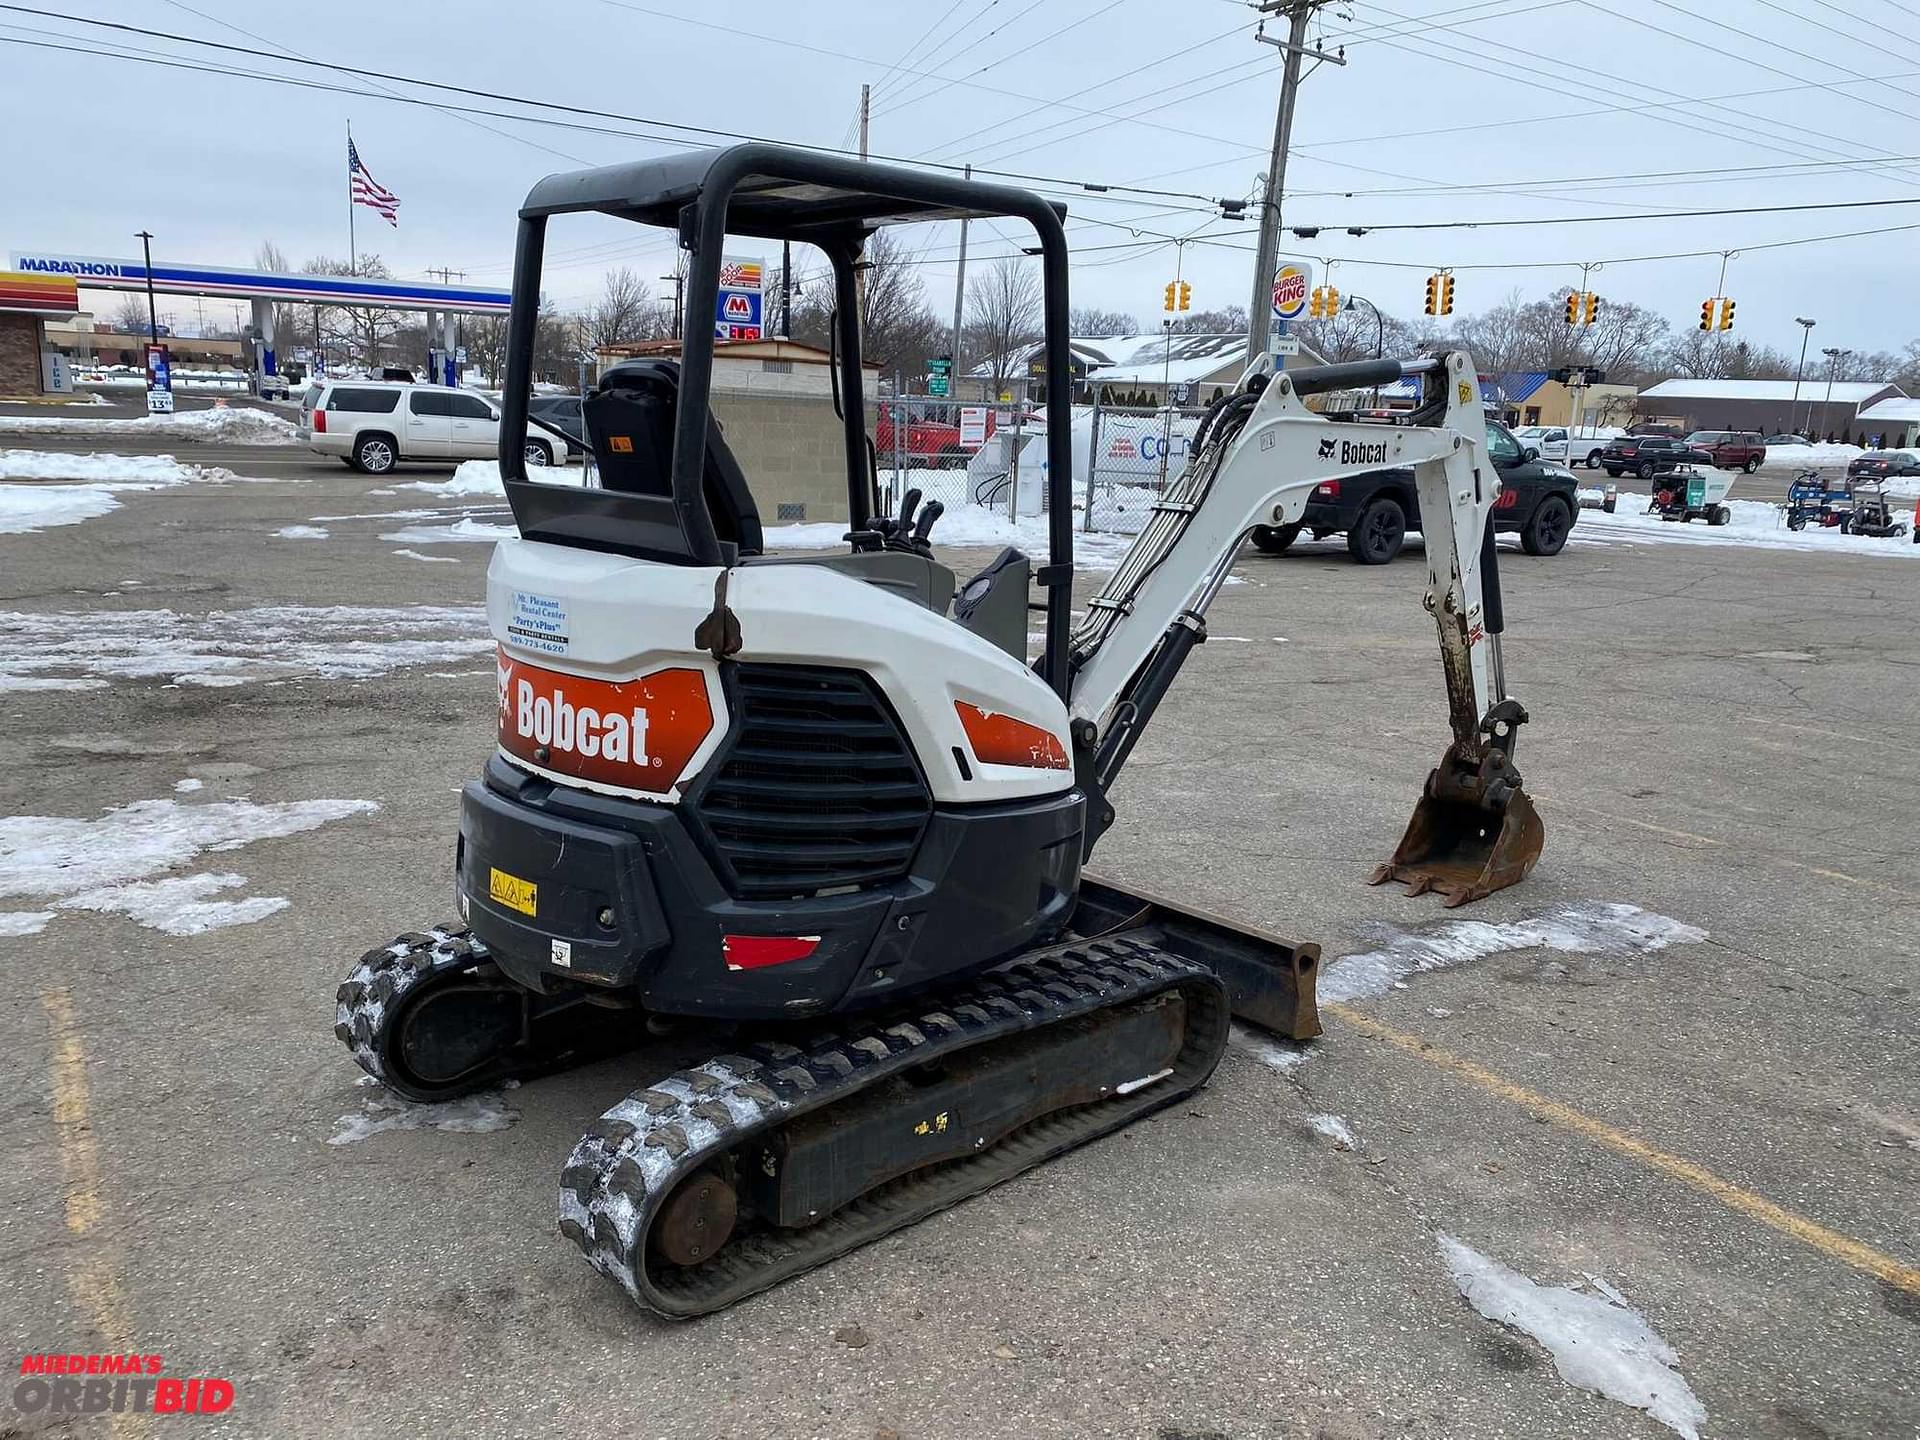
<point x="1848" y="392"/>
<point x="1897" y="408"/>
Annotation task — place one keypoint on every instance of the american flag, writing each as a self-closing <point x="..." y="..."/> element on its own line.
<point x="368" y="191"/>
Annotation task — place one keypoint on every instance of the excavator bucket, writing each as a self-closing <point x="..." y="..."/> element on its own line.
<point x="1474" y="831"/>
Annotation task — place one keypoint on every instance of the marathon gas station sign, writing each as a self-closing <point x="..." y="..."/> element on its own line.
<point x="740" y="312"/>
<point x="103" y="272"/>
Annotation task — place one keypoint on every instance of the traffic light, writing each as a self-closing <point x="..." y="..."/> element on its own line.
<point x="1168" y="307"/>
<point x="1186" y="296"/>
<point x="1433" y="294"/>
<point x="1726" y="314"/>
<point x="1593" y="307"/>
<point x="1573" y="307"/>
<point x="1324" y="303"/>
<point x="1706" y="314"/>
<point x="1446" y="294"/>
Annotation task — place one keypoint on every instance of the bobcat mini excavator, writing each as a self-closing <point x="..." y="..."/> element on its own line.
<point x="818" y="817"/>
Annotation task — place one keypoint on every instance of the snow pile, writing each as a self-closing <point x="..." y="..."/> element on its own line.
<point x="1818" y="456"/>
<point x="25" y="509"/>
<point x="1755" y="525"/>
<point x="466" y="529"/>
<point x="302" y="532"/>
<point x="1576" y="929"/>
<point x="119" y="861"/>
<point x="232" y="426"/>
<point x="85" y="649"/>
<point x="963" y="525"/>
<point x="482" y="477"/>
<point x="435" y="559"/>
<point x="469" y="1115"/>
<point x="146" y="471"/>
<point x="1598" y="1341"/>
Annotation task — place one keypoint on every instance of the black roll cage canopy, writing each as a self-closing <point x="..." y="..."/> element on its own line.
<point x="776" y="193"/>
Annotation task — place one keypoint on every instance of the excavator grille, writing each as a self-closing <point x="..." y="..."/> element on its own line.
<point x="819" y="788"/>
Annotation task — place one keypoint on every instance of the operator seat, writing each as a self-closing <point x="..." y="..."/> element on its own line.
<point x="630" y="419"/>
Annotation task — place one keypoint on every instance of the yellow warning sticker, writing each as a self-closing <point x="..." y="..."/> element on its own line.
<point x="513" y="892"/>
<point x="620" y="444"/>
<point x="936" y="1126"/>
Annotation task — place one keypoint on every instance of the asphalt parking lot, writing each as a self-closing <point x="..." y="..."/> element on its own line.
<point x="1708" y="1105"/>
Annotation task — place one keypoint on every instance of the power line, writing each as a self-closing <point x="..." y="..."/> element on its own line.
<point x="707" y="131"/>
<point x="903" y="102"/>
<point x="887" y="75"/>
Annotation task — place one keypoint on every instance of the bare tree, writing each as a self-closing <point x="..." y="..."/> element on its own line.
<point x="1089" y="322"/>
<point x="289" y="320"/>
<point x="130" y="314"/>
<point x="898" y="330"/>
<point x="1230" y="321"/>
<point x="1353" y="334"/>
<point x="363" y="331"/>
<point x="1003" y="316"/>
<point x="625" y="312"/>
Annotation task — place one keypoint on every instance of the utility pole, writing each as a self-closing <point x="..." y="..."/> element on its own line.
<point x="866" y="96"/>
<point x="1260" y="307"/>
<point x="786" y="289"/>
<point x="959" y="295"/>
<point x="675" y="278"/>
<point x="1834" y="356"/>
<point x="145" y="237"/>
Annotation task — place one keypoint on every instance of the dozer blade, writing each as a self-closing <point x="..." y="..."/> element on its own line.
<point x="1473" y="832"/>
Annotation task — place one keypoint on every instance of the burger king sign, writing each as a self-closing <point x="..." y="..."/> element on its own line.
<point x="1291" y="282"/>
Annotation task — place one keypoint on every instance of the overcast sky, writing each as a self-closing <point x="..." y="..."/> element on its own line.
<point x="1520" y="109"/>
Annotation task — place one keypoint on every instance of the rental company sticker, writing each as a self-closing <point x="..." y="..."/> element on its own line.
<point x="539" y="622"/>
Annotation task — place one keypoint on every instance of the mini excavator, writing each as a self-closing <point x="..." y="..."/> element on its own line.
<point x="820" y="817"/>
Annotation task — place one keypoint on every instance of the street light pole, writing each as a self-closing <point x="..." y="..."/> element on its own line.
<point x="1379" y="325"/>
<point x="1806" y="334"/>
<point x="145" y="237"/>
<point x="1834" y="356"/>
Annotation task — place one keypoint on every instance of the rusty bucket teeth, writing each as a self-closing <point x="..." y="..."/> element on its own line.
<point x="1464" y="846"/>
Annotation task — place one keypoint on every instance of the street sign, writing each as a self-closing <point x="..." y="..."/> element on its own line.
<point x="1283" y="345"/>
<point x="159" y="381"/>
<point x="738" y="310"/>
<point x="1292" y="285"/>
<point x="937" y="385"/>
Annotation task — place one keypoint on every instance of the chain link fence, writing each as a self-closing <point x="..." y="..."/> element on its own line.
<point x="995" y="457"/>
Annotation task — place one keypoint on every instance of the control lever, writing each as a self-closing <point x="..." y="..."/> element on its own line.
<point x="909" y="503"/>
<point x="921" y="531"/>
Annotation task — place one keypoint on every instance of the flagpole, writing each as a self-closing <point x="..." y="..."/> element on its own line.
<point x="353" y="253"/>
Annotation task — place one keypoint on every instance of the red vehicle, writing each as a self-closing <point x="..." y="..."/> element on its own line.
<point x="932" y="435"/>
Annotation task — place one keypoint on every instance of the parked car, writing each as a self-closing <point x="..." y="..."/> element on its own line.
<point x="1649" y="428"/>
<point x="931" y="437"/>
<point x="1788" y="440"/>
<point x="1744" y="450"/>
<point x="1885" y="465"/>
<point x="562" y="413"/>
<point x="1376" y="510"/>
<point x="1553" y="443"/>
<point x="1649" y="455"/>
<point x="373" y="425"/>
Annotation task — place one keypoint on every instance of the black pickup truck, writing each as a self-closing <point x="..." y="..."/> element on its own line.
<point x="1376" y="510"/>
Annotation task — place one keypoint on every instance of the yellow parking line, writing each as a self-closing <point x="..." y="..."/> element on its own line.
<point x="1697" y="1177"/>
<point x="94" y="1282"/>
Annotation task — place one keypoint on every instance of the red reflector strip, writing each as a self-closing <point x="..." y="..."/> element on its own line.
<point x="1002" y="740"/>
<point x="756" y="952"/>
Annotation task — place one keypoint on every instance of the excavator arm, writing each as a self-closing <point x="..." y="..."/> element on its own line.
<point x="1256" y="460"/>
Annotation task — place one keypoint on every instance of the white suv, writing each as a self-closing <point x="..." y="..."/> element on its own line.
<point x="372" y="425"/>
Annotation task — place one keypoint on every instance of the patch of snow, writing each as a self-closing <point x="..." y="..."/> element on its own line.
<point x="1577" y="929"/>
<point x="465" y="529"/>
<point x="435" y="559"/>
<point x="1283" y="1056"/>
<point x="27" y="509"/>
<point x="1336" y="1129"/>
<point x="1818" y="456"/>
<point x="76" y="649"/>
<point x="232" y="426"/>
<point x="187" y="786"/>
<point x="302" y="532"/>
<point x="178" y="905"/>
<point x="119" y="861"/>
<point x="482" y="477"/>
<point x="469" y="1115"/>
<point x="1755" y="525"/>
<point x="24" y="922"/>
<point x="1598" y="1342"/>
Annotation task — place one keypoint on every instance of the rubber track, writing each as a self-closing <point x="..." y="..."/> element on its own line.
<point x="626" y="1166"/>
<point x="384" y="977"/>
